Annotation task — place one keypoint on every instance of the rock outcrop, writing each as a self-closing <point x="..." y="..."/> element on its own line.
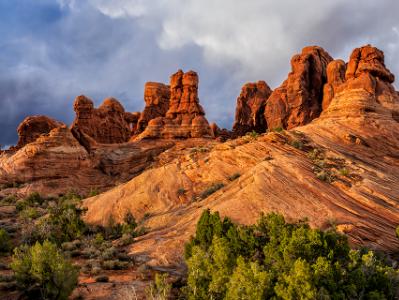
<point x="335" y="78"/>
<point x="33" y="127"/>
<point x="107" y="124"/>
<point x="185" y="117"/>
<point x="156" y="97"/>
<point x="250" y="108"/>
<point x="299" y="99"/>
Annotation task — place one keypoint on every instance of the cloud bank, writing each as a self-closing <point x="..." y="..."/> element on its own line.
<point x="54" y="50"/>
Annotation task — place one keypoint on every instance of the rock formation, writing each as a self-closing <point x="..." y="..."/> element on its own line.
<point x="251" y="108"/>
<point x="33" y="127"/>
<point x="367" y="88"/>
<point x="185" y="117"/>
<point x="335" y="78"/>
<point x="107" y="124"/>
<point x="298" y="100"/>
<point x="156" y="97"/>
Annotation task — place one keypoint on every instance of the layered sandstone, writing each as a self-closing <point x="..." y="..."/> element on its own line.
<point x="299" y="99"/>
<point x="185" y="117"/>
<point x="357" y="133"/>
<point x="156" y="97"/>
<point x="107" y="124"/>
<point x="33" y="127"/>
<point x="250" y="108"/>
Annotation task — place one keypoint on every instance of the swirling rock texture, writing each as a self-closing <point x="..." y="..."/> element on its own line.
<point x="108" y="124"/>
<point x="185" y="117"/>
<point x="250" y="108"/>
<point x="343" y="166"/>
<point x="339" y="163"/>
<point x="33" y="127"/>
<point x="299" y="99"/>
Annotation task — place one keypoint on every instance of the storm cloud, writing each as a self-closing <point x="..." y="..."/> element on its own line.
<point x="54" y="50"/>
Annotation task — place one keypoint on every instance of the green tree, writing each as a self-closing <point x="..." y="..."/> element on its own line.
<point x="42" y="270"/>
<point x="5" y="242"/>
<point x="249" y="282"/>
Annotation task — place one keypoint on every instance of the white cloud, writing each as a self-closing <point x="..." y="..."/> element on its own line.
<point x="122" y="8"/>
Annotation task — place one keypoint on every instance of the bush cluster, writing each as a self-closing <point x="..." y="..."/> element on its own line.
<point x="277" y="260"/>
<point x="42" y="272"/>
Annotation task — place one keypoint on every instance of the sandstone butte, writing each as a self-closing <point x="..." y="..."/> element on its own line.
<point x="337" y="162"/>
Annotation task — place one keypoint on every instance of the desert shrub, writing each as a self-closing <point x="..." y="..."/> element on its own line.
<point x="344" y="172"/>
<point x="8" y="200"/>
<point x="181" y="192"/>
<point x="34" y="199"/>
<point x="93" y="192"/>
<point x="253" y="134"/>
<point x="297" y="144"/>
<point x="211" y="189"/>
<point x="115" y="264"/>
<point x="234" y="176"/>
<point x="5" y="241"/>
<point x="29" y="213"/>
<point x="159" y="289"/>
<point x="42" y="271"/>
<point x="277" y="260"/>
<point x="277" y="129"/>
<point x="63" y="223"/>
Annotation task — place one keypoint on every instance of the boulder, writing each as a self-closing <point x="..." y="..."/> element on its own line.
<point x="251" y="108"/>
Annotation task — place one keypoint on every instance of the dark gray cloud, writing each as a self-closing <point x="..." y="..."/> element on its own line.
<point x="54" y="50"/>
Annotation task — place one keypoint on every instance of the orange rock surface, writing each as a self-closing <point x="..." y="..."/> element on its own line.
<point x="108" y="124"/>
<point x="298" y="100"/>
<point x="250" y="108"/>
<point x="33" y="127"/>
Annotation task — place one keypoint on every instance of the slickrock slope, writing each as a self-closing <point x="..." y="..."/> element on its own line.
<point x="185" y="117"/>
<point x="251" y="108"/>
<point x="342" y="169"/>
<point x="33" y="127"/>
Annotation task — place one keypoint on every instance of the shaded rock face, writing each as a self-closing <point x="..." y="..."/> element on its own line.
<point x="33" y="127"/>
<point x="185" y="117"/>
<point x="108" y="124"/>
<point x="251" y="108"/>
<point x="156" y="97"/>
<point x="298" y="100"/>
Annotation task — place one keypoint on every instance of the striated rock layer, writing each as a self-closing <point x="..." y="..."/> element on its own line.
<point x="251" y="108"/>
<point x="185" y="118"/>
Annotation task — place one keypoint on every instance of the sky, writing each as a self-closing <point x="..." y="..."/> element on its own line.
<point x="54" y="50"/>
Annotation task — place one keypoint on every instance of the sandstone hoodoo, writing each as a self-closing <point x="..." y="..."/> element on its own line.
<point x="156" y="97"/>
<point x="251" y="108"/>
<point x="335" y="77"/>
<point x="33" y="127"/>
<point x="299" y="99"/>
<point x="107" y="124"/>
<point x="185" y="117"/>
